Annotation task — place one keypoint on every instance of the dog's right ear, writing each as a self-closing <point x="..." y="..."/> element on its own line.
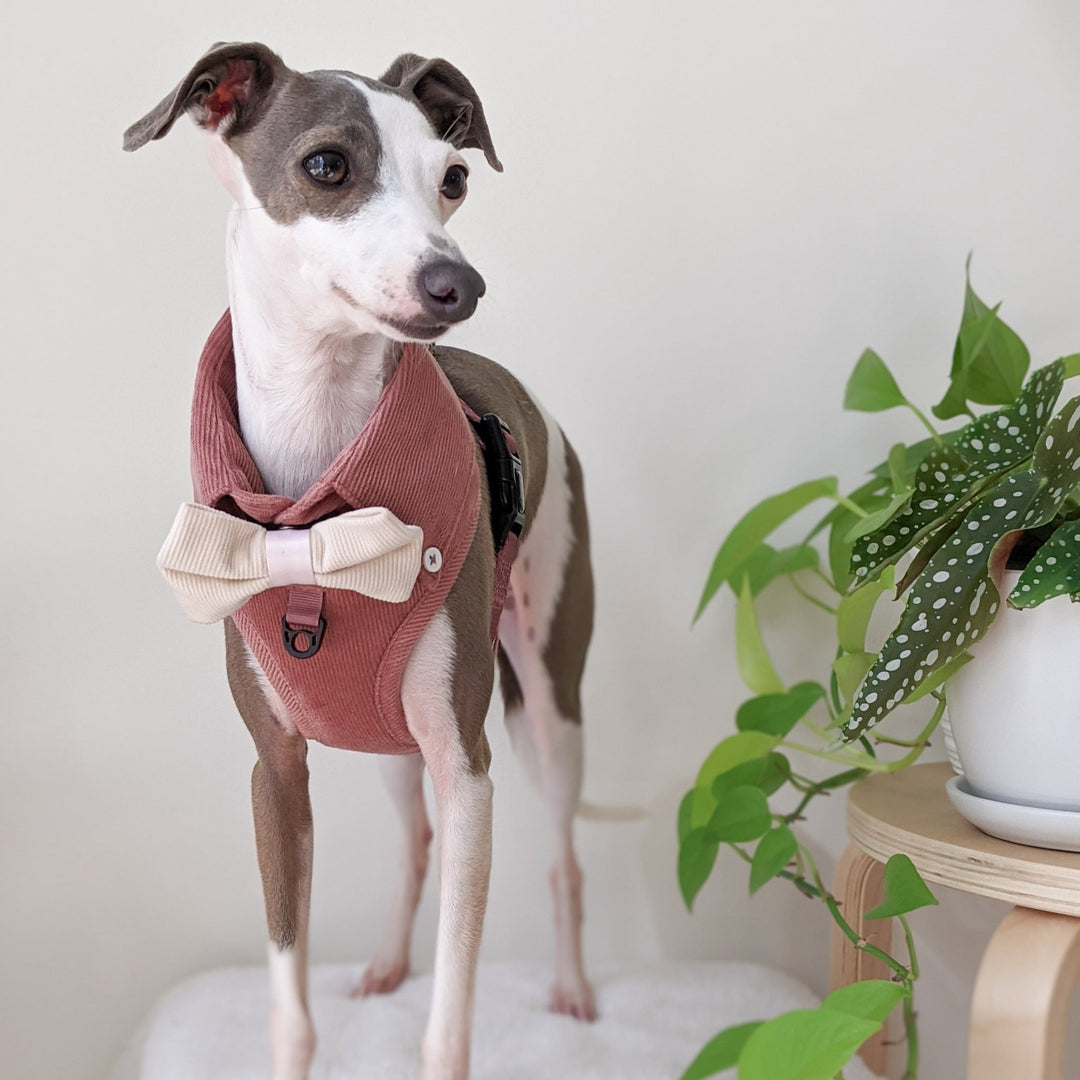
<point x="225" y="91"/>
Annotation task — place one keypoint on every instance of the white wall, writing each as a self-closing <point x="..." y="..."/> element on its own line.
<point x="708" y="210"/>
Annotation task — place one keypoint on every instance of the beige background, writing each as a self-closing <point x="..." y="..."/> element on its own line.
<point x="708" y="210"/>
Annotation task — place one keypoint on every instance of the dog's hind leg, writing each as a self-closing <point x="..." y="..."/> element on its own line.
<point x="544" y="637"/>
<point x="283" y="837"/>
<point x="404" y="779"/>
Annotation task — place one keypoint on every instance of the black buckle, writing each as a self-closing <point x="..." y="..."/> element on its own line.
<point x="506" y="479"/>
<point x="315" y="639"/>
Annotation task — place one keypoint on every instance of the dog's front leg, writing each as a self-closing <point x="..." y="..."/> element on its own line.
<point x="283" y="838"/>
<point x="445" y="715"/>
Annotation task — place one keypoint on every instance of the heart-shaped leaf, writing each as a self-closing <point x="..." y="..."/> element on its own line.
<point x="776" y="849"/>
<point x="740" y="815"/>
<point x="720" y="1053"/>
<point x="905" y="890"/>
<point x="989" y="360"/>
<point x="777" y="714"/>
<point x="808" y="1044"/>
<point x="697" y="856"/>
<point x="768" y="774"/>
<point x="871" y="387"/>
<point x="871" y="999"/>
<point x="732" y="751"/>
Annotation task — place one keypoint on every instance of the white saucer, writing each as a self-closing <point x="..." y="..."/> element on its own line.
<point x="1031" y="825"/>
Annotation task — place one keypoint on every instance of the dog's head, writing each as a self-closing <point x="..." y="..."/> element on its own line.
<point x="345" y="180"/>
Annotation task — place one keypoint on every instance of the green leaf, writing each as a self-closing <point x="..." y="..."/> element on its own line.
<point x="755" y="526"/>
<point x="872" y="387"/>
<point x="686" y="811"/>
<point x="1071" y="365"/>
<point x="740" y="815"/>
<point x="951" y="604"/>
<point x="751" y="655"/>
<point x="898" y="470"/>
<point x="808" y="1044"/>
<point x="905" y="890"/>
<point x="732" y="751"/>
<point x="768" y="774"/>
<point x="840" y="779"/>
<point x="1054" y="570"/>
<point x="720" y="1053"/>
<point x="776" y="849"/>
<point x="767" y="564"/>
<point x="850" y="670"/>
<point x="989" y="360"/>
<point x="697" y="856"/>
<point x="871" y="999"/>
<point x="1057" y="461"/>
<point x="777" y="714"/>
<point x="854" y="611"/>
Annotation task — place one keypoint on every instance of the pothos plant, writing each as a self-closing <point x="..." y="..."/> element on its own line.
<point x="932" y="527"/>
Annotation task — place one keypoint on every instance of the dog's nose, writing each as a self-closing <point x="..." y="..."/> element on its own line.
<point x="449" y="290"/>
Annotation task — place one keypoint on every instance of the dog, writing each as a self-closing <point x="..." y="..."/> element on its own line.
<point x="341" y="271"/>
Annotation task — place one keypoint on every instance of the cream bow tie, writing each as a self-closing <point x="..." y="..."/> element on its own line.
<point x="215" y="562"/>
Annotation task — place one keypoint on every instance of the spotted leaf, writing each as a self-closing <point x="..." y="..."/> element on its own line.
<point x="949" y="607"/>
<point x="1053" y="571"/>
<point x="942" y="483"/>
<point x="1057" y="459"/>
<point x="1004" y="438"/>
<point x="950" y="476"/>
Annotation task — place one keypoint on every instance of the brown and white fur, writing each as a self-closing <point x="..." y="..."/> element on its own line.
<point x="329" y="271"/>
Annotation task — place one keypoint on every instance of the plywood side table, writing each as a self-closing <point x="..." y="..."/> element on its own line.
<point x="1030" y="967"/>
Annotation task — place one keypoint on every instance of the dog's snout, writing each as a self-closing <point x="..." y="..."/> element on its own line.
<point x="449" y="290"/>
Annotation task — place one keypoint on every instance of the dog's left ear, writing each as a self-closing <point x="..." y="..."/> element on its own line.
<point x="448" y="100"/>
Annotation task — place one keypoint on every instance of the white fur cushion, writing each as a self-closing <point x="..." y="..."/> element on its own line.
<point x="653" y="1022"/>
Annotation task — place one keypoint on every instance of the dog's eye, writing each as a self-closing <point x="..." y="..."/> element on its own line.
<point x="453" y="185"/>
<point x="327" y="167"/>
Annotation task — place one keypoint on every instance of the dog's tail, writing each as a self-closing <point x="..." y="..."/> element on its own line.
<point x="589" y="811"/>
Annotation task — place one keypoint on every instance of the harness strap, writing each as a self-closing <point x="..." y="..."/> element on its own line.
<point x="506" y="485"/>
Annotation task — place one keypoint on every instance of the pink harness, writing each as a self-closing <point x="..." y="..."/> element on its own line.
<point x="336" y="657"/>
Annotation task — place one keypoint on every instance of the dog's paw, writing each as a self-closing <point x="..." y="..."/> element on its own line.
<point x="574" y="999"/>
<point x="382" y="977"/>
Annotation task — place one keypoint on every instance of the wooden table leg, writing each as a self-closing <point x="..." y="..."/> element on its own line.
<point x="1019" y="1014"/>
<point x="858" y="887"/>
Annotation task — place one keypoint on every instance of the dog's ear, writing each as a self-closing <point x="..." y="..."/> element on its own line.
<point x="448" y="100"/>
<point x="229" y="85"/>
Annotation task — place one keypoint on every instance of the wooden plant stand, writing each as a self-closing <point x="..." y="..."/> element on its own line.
<point x="1030" y="967"/>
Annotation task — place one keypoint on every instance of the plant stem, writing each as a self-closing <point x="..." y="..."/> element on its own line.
<point x="926" y="423"/>
<point x="854" y="507"/>
<point x="825" y="577"/>
<point x="810" y="596"/>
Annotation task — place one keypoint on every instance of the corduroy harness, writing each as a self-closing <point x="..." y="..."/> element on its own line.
<point x="336" y="656"/>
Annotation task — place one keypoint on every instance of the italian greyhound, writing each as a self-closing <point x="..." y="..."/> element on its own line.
<point x="337" y="256"/>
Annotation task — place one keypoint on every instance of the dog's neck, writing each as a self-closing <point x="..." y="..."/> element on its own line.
<point x="306" y="381"/>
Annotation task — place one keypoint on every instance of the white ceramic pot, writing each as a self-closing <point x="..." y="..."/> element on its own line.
<point x="1015" y="709"/>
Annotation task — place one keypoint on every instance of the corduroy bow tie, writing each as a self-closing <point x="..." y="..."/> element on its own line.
<point x="216" y="563"/>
